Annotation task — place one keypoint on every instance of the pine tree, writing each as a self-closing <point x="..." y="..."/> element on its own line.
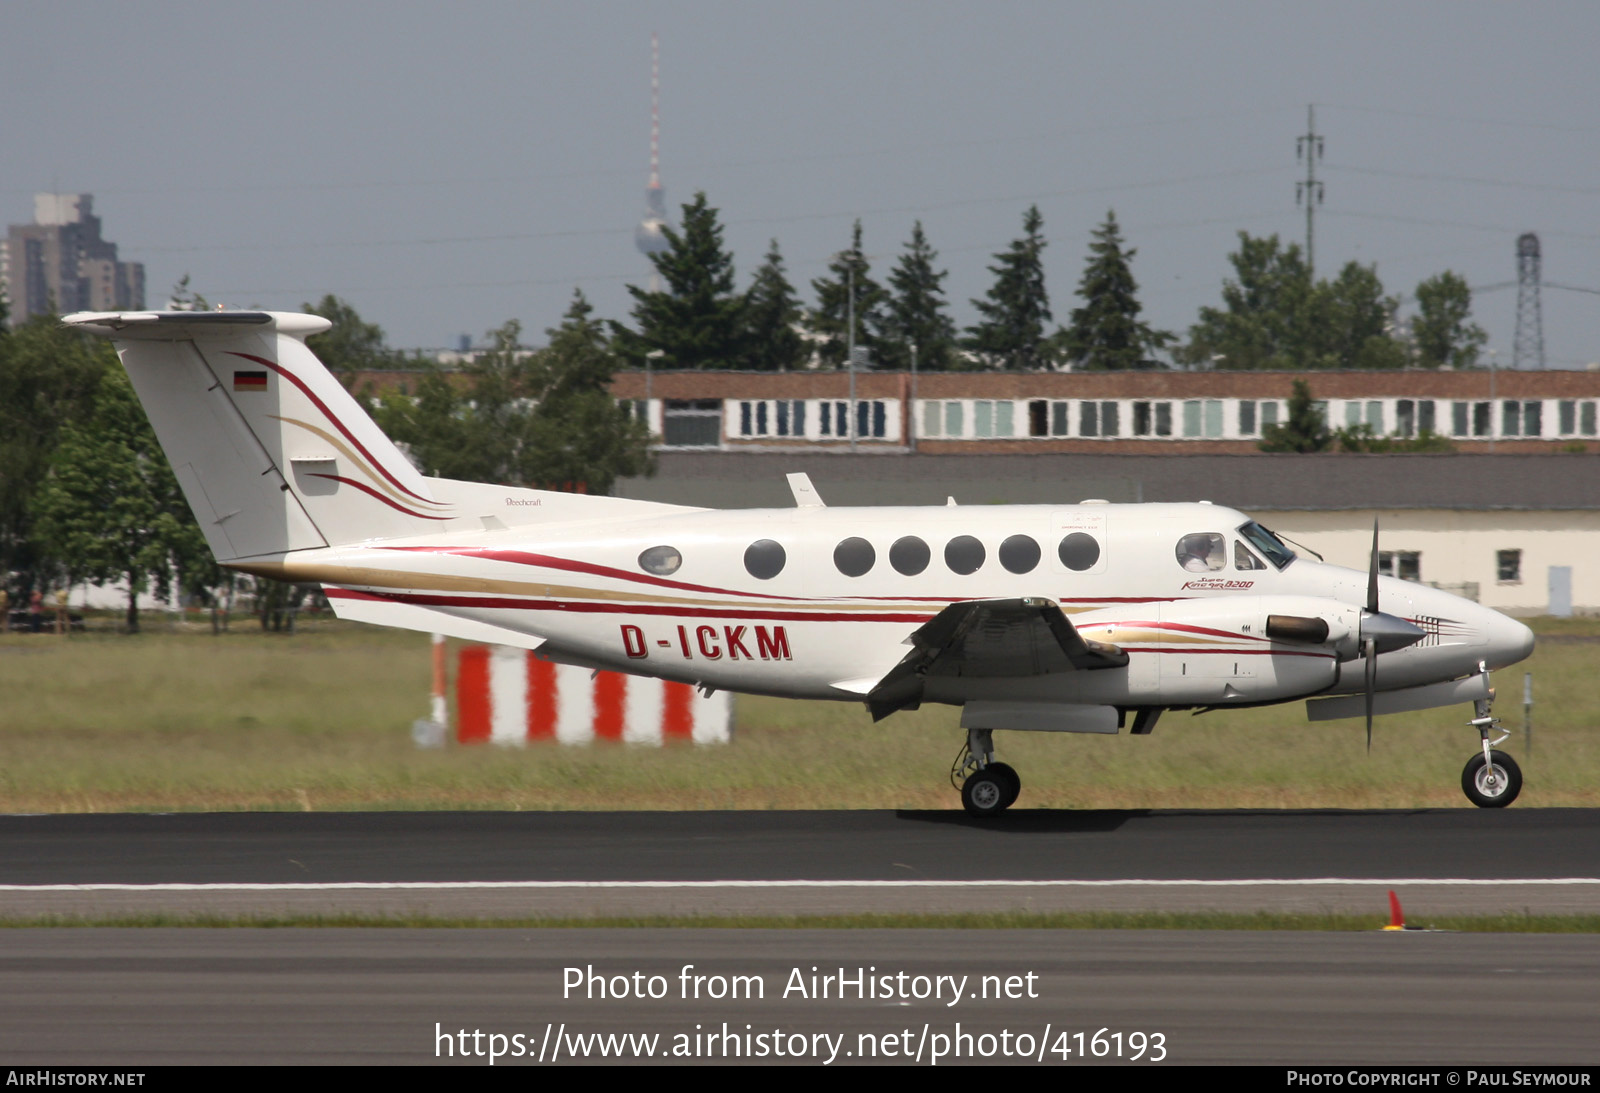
<point x="831" y="319"/>
<point x="1305" y="431"/>
<point x="1011" y="332"/>
<point x="773" y="312"/>
<point x="578" y="436"/>
<point x="697" y="320"/>
<point x="1106" y="333"/>
<point x="915" y="313"/>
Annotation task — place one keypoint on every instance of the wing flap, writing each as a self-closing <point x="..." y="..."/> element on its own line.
<point x="1003" y="638"/>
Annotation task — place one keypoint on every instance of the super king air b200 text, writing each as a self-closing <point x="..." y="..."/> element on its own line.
<point x="1048" y="618"/>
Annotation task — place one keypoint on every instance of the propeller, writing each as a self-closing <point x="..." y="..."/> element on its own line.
<point x="1381" y="633"/>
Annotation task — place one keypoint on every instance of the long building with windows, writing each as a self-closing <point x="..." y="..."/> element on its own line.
<point x="1127" y="412"/>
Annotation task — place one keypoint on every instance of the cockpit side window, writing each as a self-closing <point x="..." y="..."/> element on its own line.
<point x="1268" y="544"/>
<point x="1202" y="552"/>
<point x="1243" y="559"/>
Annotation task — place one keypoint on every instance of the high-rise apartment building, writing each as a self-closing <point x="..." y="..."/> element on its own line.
<point x="59" y="264"/>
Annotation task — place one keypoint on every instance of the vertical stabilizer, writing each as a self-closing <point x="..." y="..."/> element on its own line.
<point x="272" y="452"/>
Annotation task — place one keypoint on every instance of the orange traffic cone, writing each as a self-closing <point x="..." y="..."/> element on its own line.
<point x="1397" y="917"/>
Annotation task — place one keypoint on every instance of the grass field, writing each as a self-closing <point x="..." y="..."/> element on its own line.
<point x="321" y="720"/>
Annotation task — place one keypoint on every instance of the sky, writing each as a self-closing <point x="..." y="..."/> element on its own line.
<point x="445" y="168"/>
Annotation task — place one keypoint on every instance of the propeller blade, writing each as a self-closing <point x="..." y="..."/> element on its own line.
<point x="1372" y="571"/>
<point x="1372" y="685"/>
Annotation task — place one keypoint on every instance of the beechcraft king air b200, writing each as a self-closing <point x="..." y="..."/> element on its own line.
<point x="1085" y="617"/>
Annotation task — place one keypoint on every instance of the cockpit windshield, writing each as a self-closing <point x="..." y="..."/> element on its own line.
<point x="1268" y="544"/>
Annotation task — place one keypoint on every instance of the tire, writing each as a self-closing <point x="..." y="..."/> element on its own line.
<point x="1509" y="782"/>
<point x="1009" y="778"/>
<point x="984" y="794"/>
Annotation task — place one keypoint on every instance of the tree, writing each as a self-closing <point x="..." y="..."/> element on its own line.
<point x="832" y="318"/>
<point x="773" y="312"/>
<point x="1353" y="323"/>
<point x="1304" y="431"/>
<point x="1275" y="317"/>
<point x="49" y="375"/>
<point x="578" y="435"/>
<point x="1265" y="315"/>
<point x="352" y="345"/>
<point x="1106" y="333"/>
<point x="110" y="508"/>
<point x="544" y="419"/>
<point x="698" y="320"/>
<point x="1011" y="331"/>
<point x="915" y="312"/>
<point x="1442" y="330"/>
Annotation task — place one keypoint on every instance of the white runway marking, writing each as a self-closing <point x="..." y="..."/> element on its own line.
<point x="345" y="886"/>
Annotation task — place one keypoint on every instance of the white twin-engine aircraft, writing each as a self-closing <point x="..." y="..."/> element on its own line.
<point x="1057" y="618"/>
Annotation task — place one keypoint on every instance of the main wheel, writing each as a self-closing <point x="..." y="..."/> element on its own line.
<point x="984" y="793"/>
<point x="1010" y="778"/>
<point x="1491" y="785"/>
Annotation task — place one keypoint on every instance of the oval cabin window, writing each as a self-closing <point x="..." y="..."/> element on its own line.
<point x="661" y="560"/>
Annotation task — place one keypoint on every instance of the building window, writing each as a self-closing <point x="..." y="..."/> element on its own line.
<point x="1405" y="564"/>
<point x="1375" y="417"/>
<point x="1247" y="417"/>
<point x="1567" y="417"/>
<point x="1482" y="419"/>
<point x="1213" y="417"/>
<point x="1405" y="417"/>
<point x="1269" y="414"/>
<point x="1088" y="419"/>
<point x="1425" y="416"/>
<point x="1460" y="419"/>
<point x="691" y="423"/>
<point x="1521" y="418"/>
<point x="1004" y="413"/>
<point x="1038" y="417"/>
<point x="1060" y="419"/>
<point x="1352" y="415"/>
<point x="983" y="418"/>
<point x="932" y="418"/>
<point x="1586" y="419"/>
<point x="1191" y="417"/>
<point x="1508" y="566"/>
<point x="1109" y="425"/>
<point x="1152" y="419"/>
<point x="953" y="425"/>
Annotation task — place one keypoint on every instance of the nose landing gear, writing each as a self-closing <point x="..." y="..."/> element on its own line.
<point x="987" y="787"/>
<point x="1491" y="779"/>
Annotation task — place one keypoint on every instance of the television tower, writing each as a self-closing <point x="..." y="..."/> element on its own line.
<point x="648" y="237"/>
<point x="1527" y="347"/>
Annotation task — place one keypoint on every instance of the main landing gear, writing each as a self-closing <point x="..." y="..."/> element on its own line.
<point x="987" y="787"/>
<point x="1491" y="779"/>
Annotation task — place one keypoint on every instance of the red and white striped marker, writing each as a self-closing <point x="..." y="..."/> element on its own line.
<point x="506" y="695"/>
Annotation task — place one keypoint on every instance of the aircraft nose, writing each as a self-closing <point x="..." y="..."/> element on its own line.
<point x="1509" y="641"/>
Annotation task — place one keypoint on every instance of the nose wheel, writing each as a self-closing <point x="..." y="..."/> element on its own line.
<point x="988" y="787"/>
<point x="1491" y="779"/>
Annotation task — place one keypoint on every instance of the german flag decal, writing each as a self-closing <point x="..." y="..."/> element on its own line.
<point x="249" y="381"/>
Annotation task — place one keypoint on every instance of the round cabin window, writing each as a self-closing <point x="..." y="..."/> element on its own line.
<point x="764" y="558"/>
<point x="1019" y="554"/>
<point x="854" y="557"/>
<point x="1079" y="551"/>
<point x="964" y="555"/>
<point x="909" y="555"/>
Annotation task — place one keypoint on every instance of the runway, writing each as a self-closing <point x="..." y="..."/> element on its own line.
<point x="584" y="865"/>
<point x="131" y="998"/>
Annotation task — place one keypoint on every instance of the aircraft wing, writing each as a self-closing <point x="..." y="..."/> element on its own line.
<point x="990" y="638"/>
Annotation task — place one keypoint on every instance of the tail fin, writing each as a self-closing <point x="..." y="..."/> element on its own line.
<point x="272" y="453"/>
